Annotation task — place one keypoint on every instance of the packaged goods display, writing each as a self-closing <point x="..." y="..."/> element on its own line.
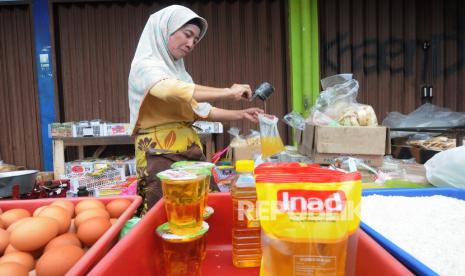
<point x="246" y="227"/>
<point x="309" y="220"/>
<point x="184" y="195"/>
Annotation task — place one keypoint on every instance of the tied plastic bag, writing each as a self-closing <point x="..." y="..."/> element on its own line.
<point x="270" y="140"/>
<point x="309" y="218"/>
<point x="445" y="169"/>
<point x="337" y="104"/>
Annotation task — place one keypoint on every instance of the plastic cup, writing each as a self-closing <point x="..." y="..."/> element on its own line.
<point x="184" y="195"/>
<point x="183" y="254"/>
<point x="202" y="169"/>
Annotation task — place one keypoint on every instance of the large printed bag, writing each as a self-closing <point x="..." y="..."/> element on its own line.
<point x="309" y="219"/>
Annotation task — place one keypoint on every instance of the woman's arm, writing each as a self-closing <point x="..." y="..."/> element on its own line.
<point x="219" y="114"/>
<point x="211" y="94"/>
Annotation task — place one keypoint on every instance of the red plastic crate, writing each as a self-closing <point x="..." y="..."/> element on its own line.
<point x="138" y="253"/>
<point x="103" y="245"/>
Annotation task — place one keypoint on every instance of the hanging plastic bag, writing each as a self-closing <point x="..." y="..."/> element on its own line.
<point x="445" y="169"/>
<point x="270" y="140"/>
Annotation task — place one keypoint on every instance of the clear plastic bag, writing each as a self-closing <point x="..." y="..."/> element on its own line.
<point x="295" y="120"/>
<point x="427" y="115"/>
<point x="337" y="105"/>
<point x="445" y="169"/>
<point x="271" y="142"/>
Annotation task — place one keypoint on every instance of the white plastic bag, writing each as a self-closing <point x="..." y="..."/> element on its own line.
<point x="445" y="169"/>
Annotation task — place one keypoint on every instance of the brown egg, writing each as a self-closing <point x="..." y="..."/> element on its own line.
<point x="58" y="260"/>
<point x="4" y="240"/>
<point x="13" y="269"/>
<point x="60" y="214"/>
<point x="91" y="230"/>
<point x="90" y="213"/>
<point x="72" y="227"/>
<point x="2" y="225"/>
<point x="13" y="215"/>
<point x="10" y="249"/>
<point x="68" y="205"/>
<point x="33" y="234"/>
<point x="38" y="210"/>
<point x="65" y="239"/>
<point x="21" y="258"/>
<point x="88" y="204"/>
<point x="117" y="207"/>
<point x="17" y="223"/>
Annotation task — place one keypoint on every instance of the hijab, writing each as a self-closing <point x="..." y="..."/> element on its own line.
<point x="152" y="61"/>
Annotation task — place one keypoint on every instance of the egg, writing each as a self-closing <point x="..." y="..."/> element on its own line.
<point x="13" y="215"/>
<point x="91" y="230"/>
<point x="88" y="204"/>
<point x="10" y="249"/>
<point x="65" y="239"/>
<point x="2" y="225"/>
<point x="4" y="240"/>
<point x="16" y="224"/>
<point x="34" y="233"/>
<point x="60" y="214"/>
<point x="66" y="204"/>
<point x="72" y="227"/>
<point x="113" y="221"/>
<point x="13" y="269"/>
<point x="38" y="210"/>
<point x="90" y="213"/>
<point x="117" y="207"/>
<point x="22" y="258"/>
<point x="58" y="260"/>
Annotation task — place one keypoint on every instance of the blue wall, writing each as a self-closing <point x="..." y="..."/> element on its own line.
<point x="44" y="70"/>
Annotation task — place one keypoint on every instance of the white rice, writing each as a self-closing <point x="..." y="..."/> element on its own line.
<point x="431" y="229"/>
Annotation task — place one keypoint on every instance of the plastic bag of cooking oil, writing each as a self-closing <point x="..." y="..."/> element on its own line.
<point x="270" y="140"/>
<point x="309" y="218"/>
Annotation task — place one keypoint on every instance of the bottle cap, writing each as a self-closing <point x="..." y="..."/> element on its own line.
<point x="244" y="166"/>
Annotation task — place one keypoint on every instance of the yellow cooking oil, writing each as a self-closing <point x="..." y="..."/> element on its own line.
<point x="271" y="145"/>
<point x="246" y="241"/>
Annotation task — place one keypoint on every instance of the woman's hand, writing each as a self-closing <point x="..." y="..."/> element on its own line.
<point x="251" y="114"/>
<point x="239" y="92"/>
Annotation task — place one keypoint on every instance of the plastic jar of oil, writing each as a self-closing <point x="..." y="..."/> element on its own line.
<point x="183" y="254"/>
<point x="184" y="196"/>
<point x="199" y="168"/>
<point x="246" y="227"/>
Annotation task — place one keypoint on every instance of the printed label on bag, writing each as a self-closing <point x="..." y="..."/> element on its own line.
<point x="314" y="265"/>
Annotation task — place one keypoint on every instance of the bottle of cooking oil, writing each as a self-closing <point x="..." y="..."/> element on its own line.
<point x="246" y="226"/>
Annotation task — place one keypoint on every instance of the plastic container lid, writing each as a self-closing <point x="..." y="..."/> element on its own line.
<point x="208" y="212"/>
<point x="244" y="166"/>
<point x="196" y="170"/>
<point x="176" y="175"/>
<point x="192" y="164"/>
<point x="164" y="231"/>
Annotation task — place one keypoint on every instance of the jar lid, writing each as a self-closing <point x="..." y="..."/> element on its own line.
<point x="164" y="231"/>
<point x="208" y="212"/>
<point x="194" y="164"/>
<point x="176" y="175"/>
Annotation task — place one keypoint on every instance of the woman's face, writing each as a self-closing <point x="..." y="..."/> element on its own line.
<point x="182" y="42"/>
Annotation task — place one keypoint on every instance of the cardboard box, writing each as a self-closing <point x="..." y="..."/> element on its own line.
<point x="249" y="152"/>
<point x="325" y="143"/>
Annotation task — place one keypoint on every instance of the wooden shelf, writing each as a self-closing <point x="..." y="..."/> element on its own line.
<point x="59" y="145"/>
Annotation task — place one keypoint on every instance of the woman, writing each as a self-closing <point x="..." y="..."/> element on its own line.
<point x="164" y="101"/>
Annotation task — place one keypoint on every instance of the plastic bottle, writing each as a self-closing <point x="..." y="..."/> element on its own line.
<point x="246" y="228"/>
